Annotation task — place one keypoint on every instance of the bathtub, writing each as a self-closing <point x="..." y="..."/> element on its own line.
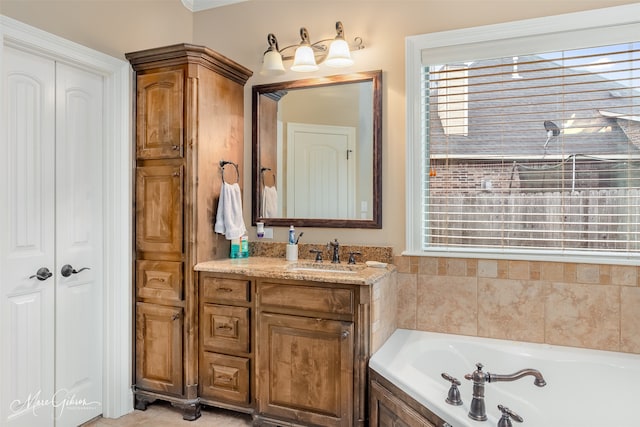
<point x="585" y="388"/>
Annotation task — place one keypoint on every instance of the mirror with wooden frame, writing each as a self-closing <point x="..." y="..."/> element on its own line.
<point x="317" y="152"/>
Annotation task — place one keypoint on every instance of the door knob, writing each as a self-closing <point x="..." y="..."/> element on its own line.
<point x="68" y="270"/>
<point x="43" y="273"/>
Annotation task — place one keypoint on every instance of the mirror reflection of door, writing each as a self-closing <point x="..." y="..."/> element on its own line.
<point x="321" y="164"/>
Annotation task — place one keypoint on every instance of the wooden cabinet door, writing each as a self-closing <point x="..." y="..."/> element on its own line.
<point x="389" y="411"/>
<point x="159" y="197"/>
<point x="159" y="348"/>
<point x="305" y="369"/>
<point x="159" y="119"/>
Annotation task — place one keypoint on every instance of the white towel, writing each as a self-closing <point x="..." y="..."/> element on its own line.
<point x="229" y="219"/>
<point x="269" y="202"/>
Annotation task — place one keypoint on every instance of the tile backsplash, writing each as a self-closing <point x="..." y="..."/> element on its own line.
<point x="572" y="304"/>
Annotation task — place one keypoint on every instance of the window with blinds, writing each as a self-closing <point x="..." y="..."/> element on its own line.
<point x="533" y="151"/>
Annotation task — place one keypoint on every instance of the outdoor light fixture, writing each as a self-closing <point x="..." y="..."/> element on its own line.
<point x="306" y="55"/>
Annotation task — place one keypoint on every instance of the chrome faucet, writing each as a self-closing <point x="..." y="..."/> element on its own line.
<point x="477" y="410"/>
<point x="336" y="251"/>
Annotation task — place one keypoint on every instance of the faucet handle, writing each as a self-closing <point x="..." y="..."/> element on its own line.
<point x="352" y="258"/>
<point x="318" y="253"/>
<point x="507" y="416"/>
<point x="451" y="379"/>
<point x="453" y="397"/>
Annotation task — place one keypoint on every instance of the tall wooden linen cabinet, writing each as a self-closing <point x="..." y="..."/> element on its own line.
<point x="189" y="116"/>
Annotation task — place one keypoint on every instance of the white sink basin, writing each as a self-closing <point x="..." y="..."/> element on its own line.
<point x="325" y="268"/>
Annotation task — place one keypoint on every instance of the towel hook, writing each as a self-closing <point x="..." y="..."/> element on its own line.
<point x="273" y="174"/>
<point x="223" y="163"/>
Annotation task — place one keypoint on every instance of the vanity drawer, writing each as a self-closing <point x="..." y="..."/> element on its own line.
<point x="317" y="299"/>
<point x="225" y="328"/>
<point x="224" y="377"/>
<point x="216" y="289"/>
<point x="159" y="280"/>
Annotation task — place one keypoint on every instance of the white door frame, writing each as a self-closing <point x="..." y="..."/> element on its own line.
<point x="117" y="175"/>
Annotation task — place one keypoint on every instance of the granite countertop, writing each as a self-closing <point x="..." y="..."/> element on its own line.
<point x="278" y="268"/>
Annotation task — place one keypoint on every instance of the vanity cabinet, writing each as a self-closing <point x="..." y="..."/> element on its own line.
<point x="189" y="115"/>
<point x="291" y="347"/>
<point x="311" y="354"/>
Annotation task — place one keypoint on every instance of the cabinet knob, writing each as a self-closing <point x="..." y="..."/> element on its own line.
<point x="345" y="334"/>
<point x="175" y="147"/>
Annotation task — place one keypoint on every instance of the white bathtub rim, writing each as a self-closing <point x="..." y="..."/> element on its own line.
<point x="393" y="362"/>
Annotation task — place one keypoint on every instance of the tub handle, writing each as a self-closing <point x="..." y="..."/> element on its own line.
<point x="507" y="416"/>
<point x="453" y="397"/>
<point x="451" y="379"/>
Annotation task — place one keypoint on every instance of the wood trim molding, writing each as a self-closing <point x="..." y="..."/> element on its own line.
<point x="179" y="53"/>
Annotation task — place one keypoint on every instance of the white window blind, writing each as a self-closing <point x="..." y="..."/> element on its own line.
<point x="538" y="150"/>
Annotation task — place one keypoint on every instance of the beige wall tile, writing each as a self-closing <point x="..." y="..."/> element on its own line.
<point x="384" y="312"/>
<point x="403" y="263"/>
<point x="472" y="267"/>
<point x="447" y="304"/>
<point x="605" y="275"/>
<point x="487" y="268"/>
<point x="503" y="269"/>
<point x="534" y="270"/>
<point x="511" y="309"/>
<point x="428" y="265"/>
<point x="490" y="304"/>
<point x="456" y="267"/>
<point x="552" y="271"/>
<point x="588" y="273"/>
<point x="625" y="275"/>
<point x="569" y="271"/>
<point x="630" y="319"/>
<point x="519" y="270"/>
<point x="406" y="301"/>
<point x="583" y="316"/>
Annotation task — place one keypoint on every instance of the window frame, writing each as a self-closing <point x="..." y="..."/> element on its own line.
<point x="567" y="31"/>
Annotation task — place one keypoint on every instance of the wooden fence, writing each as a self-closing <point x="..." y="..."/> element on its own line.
<point x="604" y="219"/>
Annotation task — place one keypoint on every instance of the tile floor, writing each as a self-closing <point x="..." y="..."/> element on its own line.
<point x="162" y="414"/>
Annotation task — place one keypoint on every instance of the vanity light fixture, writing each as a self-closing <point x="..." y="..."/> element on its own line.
<point x="307" y="55"/>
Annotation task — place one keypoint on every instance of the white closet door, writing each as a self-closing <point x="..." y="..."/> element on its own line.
<point x="78" y="245"/>
<point x="27" y="161"/>
<point x="50" y="215"/>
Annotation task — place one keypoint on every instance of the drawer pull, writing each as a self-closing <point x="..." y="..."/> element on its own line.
<point x="157" y="279"/>
<point x="225" y="327"/>
<point x="223" y="378"/>
<point x="224" y="290"/>
<point x="175" y="316"/>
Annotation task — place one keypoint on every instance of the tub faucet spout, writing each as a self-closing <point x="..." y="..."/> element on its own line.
<point x="477" y="409"/>
<point x="539" y="379"/>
